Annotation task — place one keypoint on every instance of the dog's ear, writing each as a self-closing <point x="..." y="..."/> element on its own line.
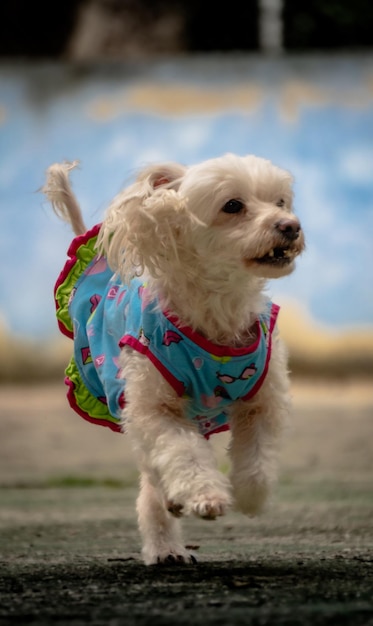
<point x="164" y="175"/>
<point x="144" y="223"/>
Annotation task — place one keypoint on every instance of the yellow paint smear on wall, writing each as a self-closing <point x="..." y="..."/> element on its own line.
<point x="177" y="99"/>
<point x="174" y="100"/>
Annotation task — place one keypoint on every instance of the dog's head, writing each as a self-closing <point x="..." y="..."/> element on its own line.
<point x="226" y="217"/>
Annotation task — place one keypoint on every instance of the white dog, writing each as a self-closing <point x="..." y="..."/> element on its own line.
<point x="174" y="336"/>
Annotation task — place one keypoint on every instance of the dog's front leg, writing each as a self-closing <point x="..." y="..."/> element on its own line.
<point x="159" y="529"/>
<point x="256" y="427"/>
<point x="168" y="446"/>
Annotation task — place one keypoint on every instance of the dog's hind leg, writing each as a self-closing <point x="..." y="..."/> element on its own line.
<point x="159" y="529"/>
<point x="59" y="193"/>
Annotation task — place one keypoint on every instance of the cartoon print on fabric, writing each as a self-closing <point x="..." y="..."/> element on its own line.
<point x="170" y="337"/>
<point x="95" y="301"/>
<point x="247" y="373"/>
<point x="99" y="360"/>
<point x="112" y="292"/>
<point x="219" y="391"/>
<point x="211" y="402"/>
<point x="143" y="338"/>
<point x="86" y="355"/>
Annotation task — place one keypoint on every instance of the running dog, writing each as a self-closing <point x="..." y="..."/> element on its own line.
<point x="174" y="336"/>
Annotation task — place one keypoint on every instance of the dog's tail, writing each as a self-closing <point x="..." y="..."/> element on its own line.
<point x="59" y="193"/>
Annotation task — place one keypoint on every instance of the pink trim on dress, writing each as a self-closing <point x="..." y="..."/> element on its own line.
<point x="177" y="385"/>
<point x="274" y="313"/>
<point x="209" y="346"/>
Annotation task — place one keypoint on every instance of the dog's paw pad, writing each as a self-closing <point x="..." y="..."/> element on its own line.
<point x="176" y="559"/>
<point x="174" y="554"/>
<point x="210" y="507"/>
<point x="175" y="509"/>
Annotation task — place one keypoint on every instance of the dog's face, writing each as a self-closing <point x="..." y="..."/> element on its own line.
<point x="246" y="203"/>
<point x="230" y="216"/>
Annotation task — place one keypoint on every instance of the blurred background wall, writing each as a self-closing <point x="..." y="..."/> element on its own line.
<point x="120" y="83"/>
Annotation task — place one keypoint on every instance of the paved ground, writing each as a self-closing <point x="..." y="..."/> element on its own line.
<point x="69" y="548"/>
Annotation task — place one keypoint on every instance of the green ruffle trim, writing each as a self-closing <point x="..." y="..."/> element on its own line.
<point x="83" y="256"/>
<point x="84" y="402"/>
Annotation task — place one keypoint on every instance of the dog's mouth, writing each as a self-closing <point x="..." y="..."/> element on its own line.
<point x="279" y="256"/>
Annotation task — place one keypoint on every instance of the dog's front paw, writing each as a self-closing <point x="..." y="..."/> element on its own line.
<point x="168" y="555"/>
<point x="210" y="506"/>
<point x="174" y="508"/>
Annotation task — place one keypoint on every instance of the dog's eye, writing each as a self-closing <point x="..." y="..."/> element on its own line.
<point x="280" y="203"/>
<point x="233" y="206"/>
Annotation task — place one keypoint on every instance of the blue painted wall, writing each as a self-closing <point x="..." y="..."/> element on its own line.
<point x="312" y="115"/>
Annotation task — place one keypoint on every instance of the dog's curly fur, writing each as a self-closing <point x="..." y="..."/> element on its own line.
<point x="207" y="237"/>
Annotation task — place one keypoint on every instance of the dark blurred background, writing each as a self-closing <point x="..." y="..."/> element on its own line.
<point x="117" y="29"/>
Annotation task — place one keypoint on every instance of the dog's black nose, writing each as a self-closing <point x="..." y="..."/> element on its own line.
<point x="289" y="228"/>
